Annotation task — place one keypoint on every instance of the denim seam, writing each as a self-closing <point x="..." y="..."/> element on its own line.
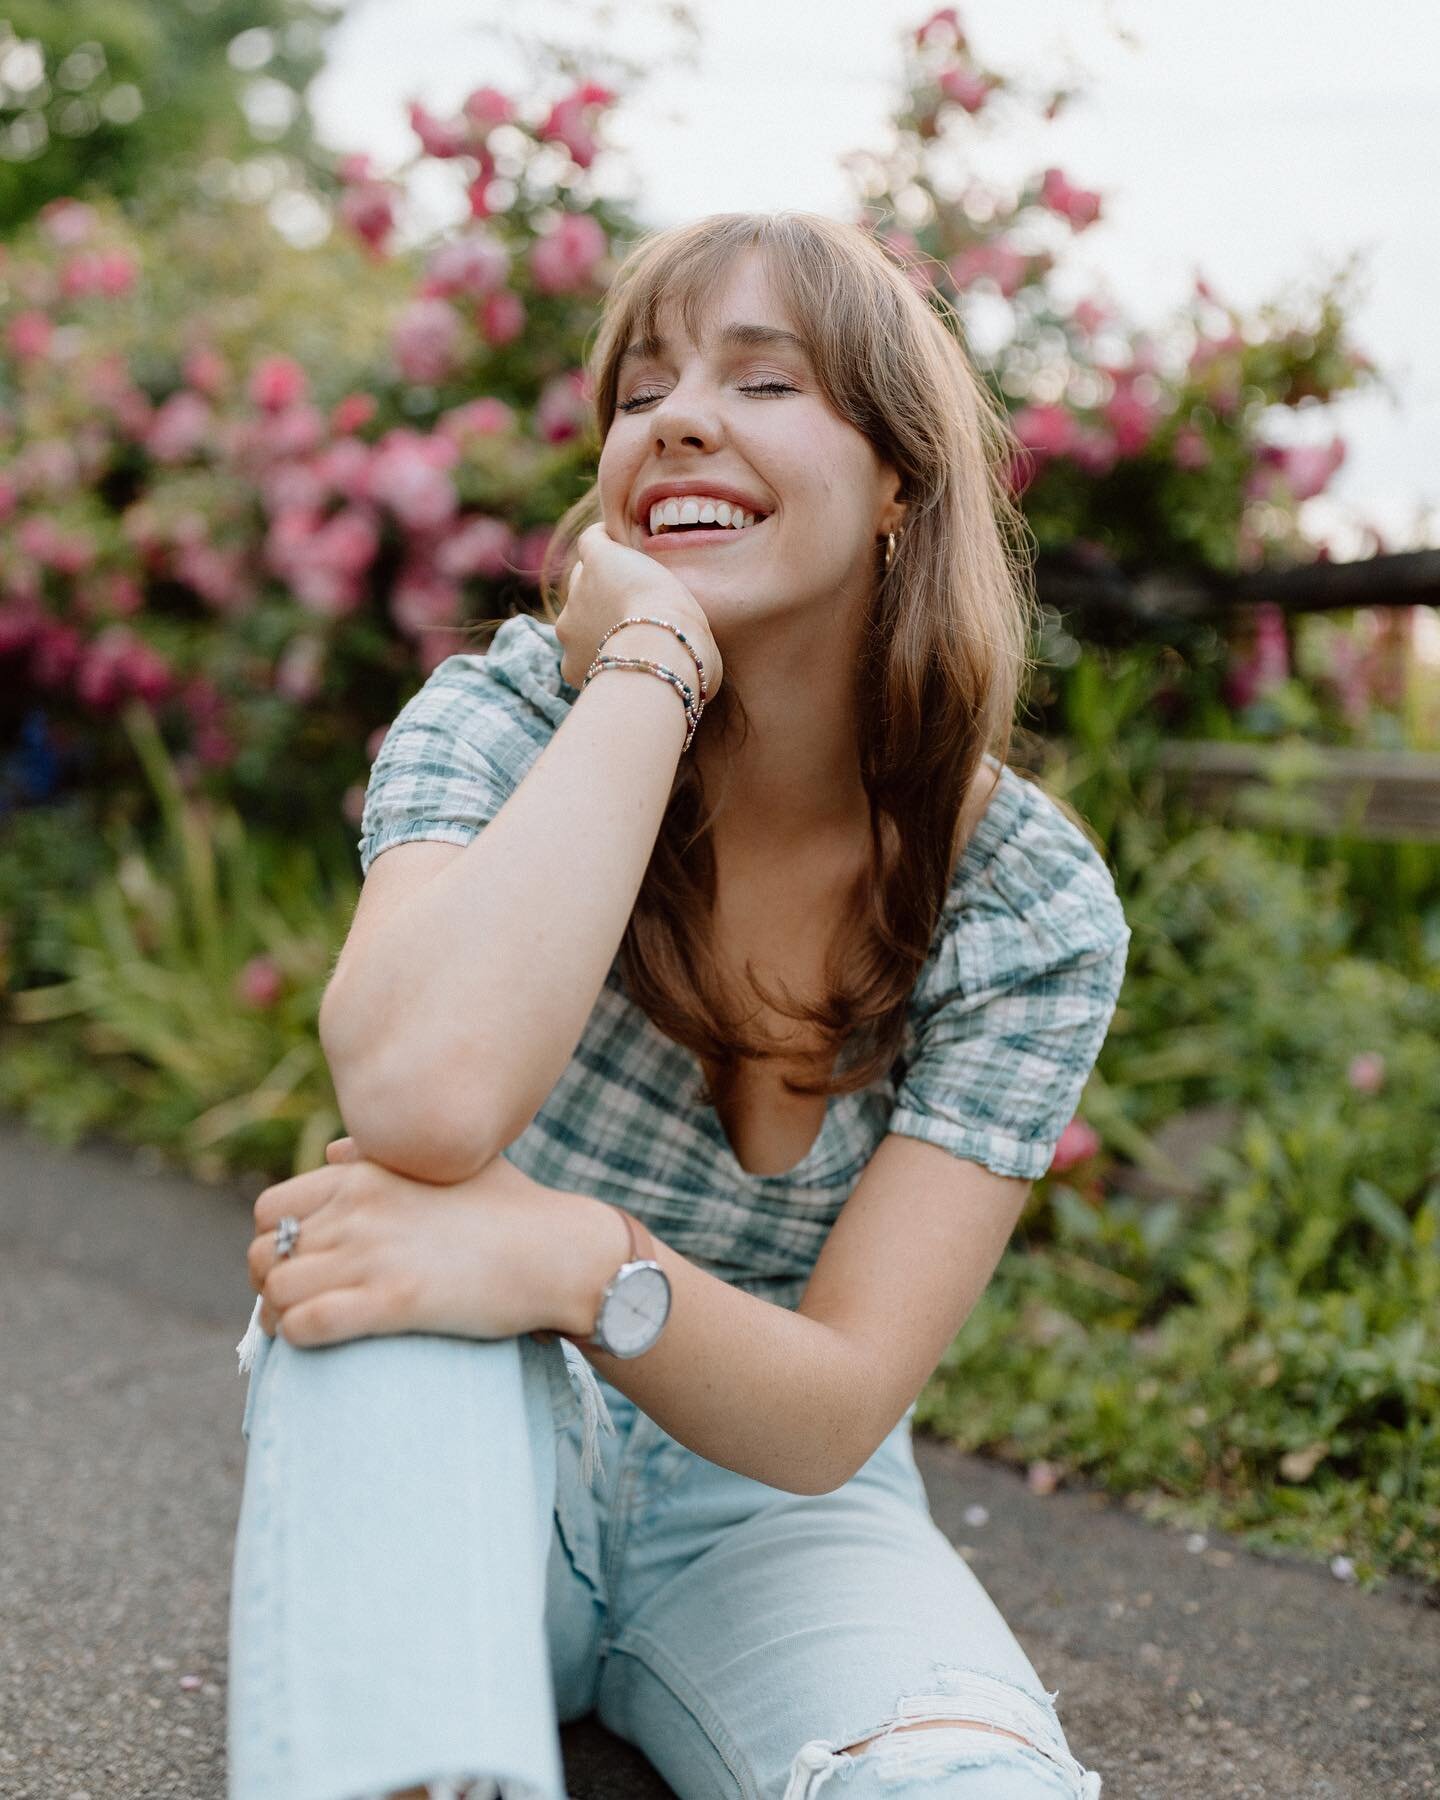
<point x="623" y="1496"/>
<point x="643" y="1649"/>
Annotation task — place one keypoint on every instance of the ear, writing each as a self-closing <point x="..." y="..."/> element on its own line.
<point x="896" y="508"/>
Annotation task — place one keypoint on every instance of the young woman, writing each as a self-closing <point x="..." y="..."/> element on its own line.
<point x="715" y="994"/>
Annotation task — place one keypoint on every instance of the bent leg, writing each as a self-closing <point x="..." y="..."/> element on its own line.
<point x="388" y="1594"/>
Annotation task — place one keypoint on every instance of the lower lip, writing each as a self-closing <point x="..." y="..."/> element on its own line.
<point x="720" y="535"/>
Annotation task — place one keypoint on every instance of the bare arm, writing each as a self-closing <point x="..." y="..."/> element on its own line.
<point x="447" y="1024"/>
<point x="800" y="1400"/>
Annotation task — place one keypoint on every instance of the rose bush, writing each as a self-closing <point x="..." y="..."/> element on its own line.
<point x="265" y="490"/>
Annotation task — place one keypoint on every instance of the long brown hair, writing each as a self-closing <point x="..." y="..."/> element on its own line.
<point x="946" y="645"/>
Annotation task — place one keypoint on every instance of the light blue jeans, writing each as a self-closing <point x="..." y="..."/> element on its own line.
<point x="425" y="1586"/>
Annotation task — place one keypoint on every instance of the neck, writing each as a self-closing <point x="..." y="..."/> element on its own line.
<point x="794" y="781"/>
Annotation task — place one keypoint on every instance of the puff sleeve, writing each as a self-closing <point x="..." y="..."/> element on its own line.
<point x="1010" y="1012"/>
<point x="459" y="748"/>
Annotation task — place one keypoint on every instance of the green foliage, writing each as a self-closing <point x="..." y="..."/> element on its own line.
<point x="117" y="96"/>
<point x="190" y="989"/>
<point x="1258" y="1349"/>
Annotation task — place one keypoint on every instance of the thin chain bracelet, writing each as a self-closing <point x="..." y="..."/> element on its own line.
<point x="645" y="619"/>
<point x="692" y="715"/>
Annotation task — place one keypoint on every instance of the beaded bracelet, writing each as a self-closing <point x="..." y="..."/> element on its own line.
<point x="692" y="715"/>
<point x="692" y="711"/>
<point x="645" y="619"/>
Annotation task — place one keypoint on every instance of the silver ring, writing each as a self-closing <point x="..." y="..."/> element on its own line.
<point x="287" y="1236"/>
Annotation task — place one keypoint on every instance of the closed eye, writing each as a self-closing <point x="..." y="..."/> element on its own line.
<point x="757" y="387"/>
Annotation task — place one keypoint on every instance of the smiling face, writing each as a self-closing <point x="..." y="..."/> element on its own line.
<point x="747" y="419"/>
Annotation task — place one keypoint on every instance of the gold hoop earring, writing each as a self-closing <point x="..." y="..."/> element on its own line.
<point x="889" y="550"/>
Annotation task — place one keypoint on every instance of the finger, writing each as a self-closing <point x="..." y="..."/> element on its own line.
<point x="299" y="1196"/>
<point x="323" y="1232"/>
<point x="341" y="1149"/>
<point x="331" y="1318"/>
<point x="269" y="1319"/>
<point x="295" y="1279"/>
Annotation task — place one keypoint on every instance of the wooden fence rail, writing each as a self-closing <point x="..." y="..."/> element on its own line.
<point x="1388" y="795"/>
<point x="1101" y="597"/>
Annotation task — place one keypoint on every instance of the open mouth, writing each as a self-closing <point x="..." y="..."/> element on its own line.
<point x="697" y="535"/>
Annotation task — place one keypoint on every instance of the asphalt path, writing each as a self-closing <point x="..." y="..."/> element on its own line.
<point x="1187" y="1668"/>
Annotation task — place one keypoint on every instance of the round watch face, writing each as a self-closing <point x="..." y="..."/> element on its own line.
<point x="635" y="1310"/>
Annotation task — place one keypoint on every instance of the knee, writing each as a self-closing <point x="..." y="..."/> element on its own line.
<point x="982" y="1738"/>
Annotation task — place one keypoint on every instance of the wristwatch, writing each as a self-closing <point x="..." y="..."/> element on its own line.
<point x="636" y="1300"/>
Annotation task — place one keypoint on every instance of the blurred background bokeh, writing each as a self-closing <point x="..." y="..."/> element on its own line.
<point x="294" y="301"/>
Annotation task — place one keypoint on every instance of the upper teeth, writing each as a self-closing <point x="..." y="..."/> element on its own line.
<point x="696" y="509"/>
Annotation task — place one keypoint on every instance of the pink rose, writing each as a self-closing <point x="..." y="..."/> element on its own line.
<point x="966" y="87"/>
<point x="425" y="341"/>
<point x="486" y="108"/>
<point x="944" y="24"/>
<point x="1265" y="664"/>
<point x="530" y="548"/>
<point x="1094" y="449"/>
<point x="1190" y="451"/>
<point x="109" y="273"/>
<point x="1132" y="419"/>
<point x="290" y="432"/>
<point x="259" y="984"/>
<point x="67" y="222"/>
<point x="349" y="541"/>
<point x="54" y="653"/>
<point x="29" y="335"/>
<point x="501" y="318"/>
<point x="486" y="417"/>
<point x="438" y="137"/>
<point x="368" y="209"/>
<point x="561" y="412"/>
<point x="278" y="382"/>
<point x="206" y="371"/>
<point x="352" y="413"/>
<point x="1048" y="430"/>
<point x="474" y="265"/>
<point x="179" y="427"/>
<point x="1079" y="206"/>
<point x="216" y="575"/>
<point x="1090" y="315"/>
<point x="117" y="665"/>
<point x="568" y="121"/>
<point x="422" y="598"/>
<point x="343" y="467"/>
<point x="477" y="546"/>
<point x="996" y="261"/>
<point x="1076" y="1142"/>
<point x="1366" y="1073"/>
<point x="409" y="474"/>
<point x="565" y="260"/>
<point x="1307" y="468"/>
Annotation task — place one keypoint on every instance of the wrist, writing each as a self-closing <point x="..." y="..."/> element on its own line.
<point x="642" y="638"/>
<point x="597" y="1242"/>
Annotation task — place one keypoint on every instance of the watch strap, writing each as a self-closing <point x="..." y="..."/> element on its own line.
<point x="641" y="1249"/>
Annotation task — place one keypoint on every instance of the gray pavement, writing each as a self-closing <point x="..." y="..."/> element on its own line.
<point x="1185" y="1668"/>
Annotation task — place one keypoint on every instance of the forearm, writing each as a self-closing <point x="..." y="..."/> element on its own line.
<point x="744" y="1383"/>
<point x="447" y="1032"/>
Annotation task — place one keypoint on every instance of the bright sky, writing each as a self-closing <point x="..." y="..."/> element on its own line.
<point x="1261" y="146"/>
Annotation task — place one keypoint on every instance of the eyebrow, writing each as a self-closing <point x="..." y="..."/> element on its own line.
<point x="738" y="334"/>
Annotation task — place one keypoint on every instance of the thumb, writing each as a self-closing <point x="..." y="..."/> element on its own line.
<point x="341" y="1150"/>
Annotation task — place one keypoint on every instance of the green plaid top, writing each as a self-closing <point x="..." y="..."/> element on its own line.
<point x="1006" y="1019"/>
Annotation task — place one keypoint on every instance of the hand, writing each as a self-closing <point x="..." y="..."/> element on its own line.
<point x="612" y="581"/>
<point x="380" y="1253"/>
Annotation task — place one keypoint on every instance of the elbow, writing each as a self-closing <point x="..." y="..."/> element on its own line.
<point x="404" y="1123"/>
